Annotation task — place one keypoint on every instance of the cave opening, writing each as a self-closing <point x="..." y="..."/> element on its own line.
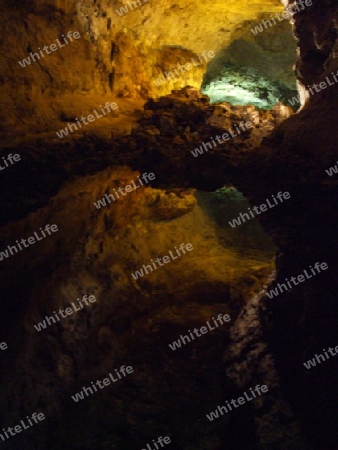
<point x="257" y="67"/>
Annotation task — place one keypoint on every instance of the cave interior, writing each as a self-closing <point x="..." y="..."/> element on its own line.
<point x="168" y="173"/>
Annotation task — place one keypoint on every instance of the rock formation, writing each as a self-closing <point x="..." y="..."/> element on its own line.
<point x="197" y="190"/>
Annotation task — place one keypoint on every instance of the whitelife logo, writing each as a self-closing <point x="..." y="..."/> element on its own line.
<point x="121" y="373"/>
<point x="10" y="160"/>
<point x="68" y="312"/>
<point x="128" y="188"/>
<point x="312" y="362"/>
<point x="288" y="14"/>
<point x="245" y="216"/>
<point x="241" y="401"/>
<point x="274" y="292"/>
<point x="203" y="330"/>
<point x="31" y="240"/>
<point x="317" y="87"/>
<point x="332" y="170"/>
<point x="243" y="125"/>
<point x="53" y="47"/>
<point x="64" y="132"/>
<point x="17" y="429"/>
<point x="166" y="440"/>
<point x="3" y="346"/>
<point x="166" y="260"/>
<point x="183" y="68"/>
<point x="124" y="10"/>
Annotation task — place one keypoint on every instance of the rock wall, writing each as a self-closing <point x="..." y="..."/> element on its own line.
<point x="296" y="324"/>
<point x="302" y="322"/>
<point x="94" y="252"/>
<point x="119" y="54"/>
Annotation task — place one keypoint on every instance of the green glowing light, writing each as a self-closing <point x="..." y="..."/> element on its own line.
<point x="244" y="86"/>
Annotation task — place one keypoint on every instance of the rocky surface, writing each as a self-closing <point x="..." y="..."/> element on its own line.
<point x="271" y="338"/>
<point x="94" y="242"/>
<point x="161" y="139"/>
<point x="133" y="321"/>
<point x="121" y="56"/>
